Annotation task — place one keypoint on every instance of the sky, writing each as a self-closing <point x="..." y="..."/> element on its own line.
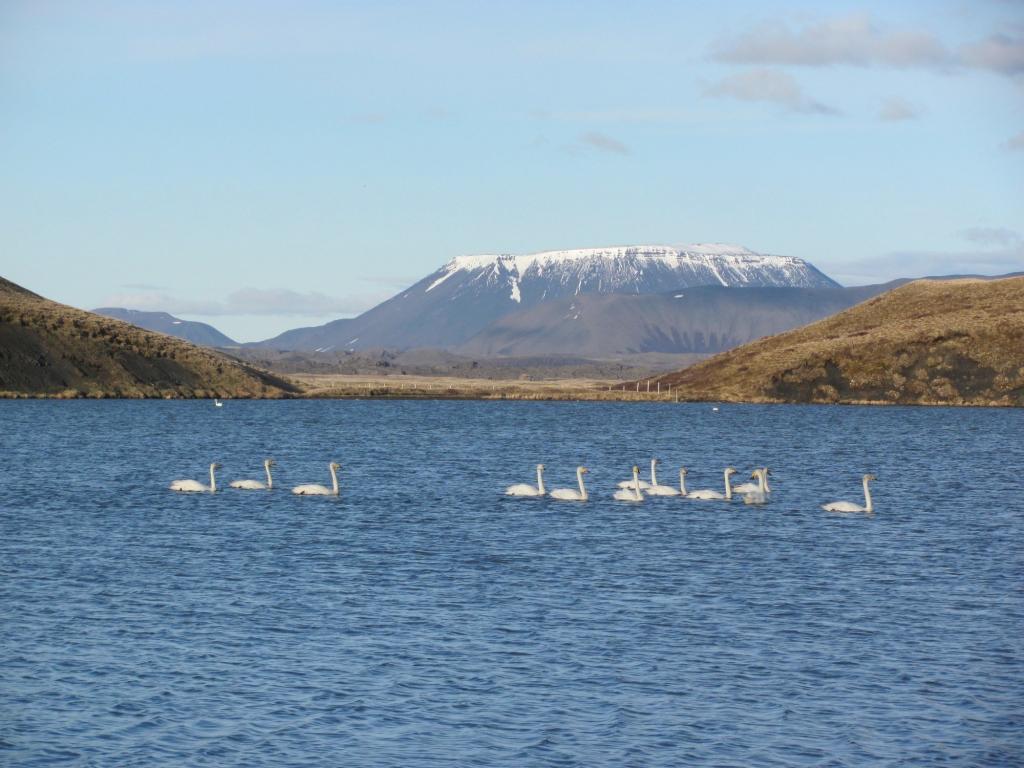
<point x="268" y="165"/>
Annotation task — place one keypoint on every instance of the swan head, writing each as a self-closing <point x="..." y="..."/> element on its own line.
<point x="684" y="471"/>
<point x="870" y="477"/>
<point x="269" y="463"/>
<point x="731" y="470"/>
<point x="636" y="469"/>
<point x="540" y="467"/>
<point x="215" y="465"/>
<point x="335" y="466"/>
<point x="582" y="470"/>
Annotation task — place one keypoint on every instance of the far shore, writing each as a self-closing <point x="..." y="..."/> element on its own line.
<point x="413" y="387"/>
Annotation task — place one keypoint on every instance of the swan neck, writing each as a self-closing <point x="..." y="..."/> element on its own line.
<point x="583" y="490"/>
<point x="867" y="497"/>
<point x="682" y="482"/>
<point x="334" y="480"/>
<point x="540" y="480"/>
<point x="762" y="482"/>
<point x="213" y="481"/>
<point x="728" y="486"/>
<point x="636" y="485"/>
<point x="270" y="480"/>
<point x="654" y="477"/>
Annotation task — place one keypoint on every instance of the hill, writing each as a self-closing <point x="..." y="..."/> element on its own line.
<point x="162" y="322"/>
<point x="467" y="294"/>
<point x="958" y="342"/>
<point x="49" y="349"/>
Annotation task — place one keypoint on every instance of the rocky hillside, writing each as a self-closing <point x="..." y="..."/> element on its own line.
<point x="451" y="305"/>
<point x="49" y="349"/>
<point x="162" y="322"/>
<point x="958" y="342"/>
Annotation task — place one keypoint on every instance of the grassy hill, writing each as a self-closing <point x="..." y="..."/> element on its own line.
<point x="49" y="349"/>
<point x="958" y="342"/>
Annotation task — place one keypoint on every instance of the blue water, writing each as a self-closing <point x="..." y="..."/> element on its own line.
<point x="424" y="619"/>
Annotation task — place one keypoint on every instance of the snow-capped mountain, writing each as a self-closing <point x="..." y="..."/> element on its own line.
<point x="468" y="293"/>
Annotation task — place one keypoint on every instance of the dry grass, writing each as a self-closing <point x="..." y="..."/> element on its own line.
<point x="52" y="350"/>
<point x="957" y="342"/>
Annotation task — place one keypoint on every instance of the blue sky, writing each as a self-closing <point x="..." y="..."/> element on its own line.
<point x="263" y="166"/>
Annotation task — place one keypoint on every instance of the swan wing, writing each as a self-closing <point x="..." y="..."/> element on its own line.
<point x="662" y="490"/>
<point x="311" y="489"/>
<point x="755" y="498"/>
<point x="566" y="494"/>
<point x="626" y="494"/>
<point x="188" y="486"/>
<point x="842" y="506"/>
<point x="522" y="489"/>
<point x="628" y="485"/>
<point x="746" y="488"/>
<point x="706" y="495"/>
<point x="251" y="485"/>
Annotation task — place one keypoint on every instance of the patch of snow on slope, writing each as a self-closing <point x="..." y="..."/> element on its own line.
<point x="516" y="296"/>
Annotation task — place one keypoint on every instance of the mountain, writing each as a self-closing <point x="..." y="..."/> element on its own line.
<point x="453" y="304"/>
<point x="197" y="333"/>
<point x="955" y="342"/>
<point x="49" y="349"/>
<point x="702" y="320"/>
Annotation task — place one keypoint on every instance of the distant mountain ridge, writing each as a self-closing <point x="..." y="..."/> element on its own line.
<point x="454" y="303"/>
<point x="162" y="322"/>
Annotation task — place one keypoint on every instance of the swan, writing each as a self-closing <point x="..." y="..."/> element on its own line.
<point x="658" y="490"/>
<point x="849" y="506"/>
<point x="257" y="485"/>
<point x="192" y="486"/>
<point x="633" y="493"/>
<point x="217" y="403"/>
<point x="311" y="489"/>
<point x="525" y="489"/>
<point x="644" y="485"/>
<point x="751" y="487"/>
<point x="760" y="495"/>
<point x="712" y="495"/>
<point x="568" y="494"/>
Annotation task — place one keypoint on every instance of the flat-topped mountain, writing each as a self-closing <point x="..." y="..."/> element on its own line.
<point x="162" y="322"/>
<point x="49" y="349"/>
<point x="463" y="297"/>
<point x="956" y="342"/>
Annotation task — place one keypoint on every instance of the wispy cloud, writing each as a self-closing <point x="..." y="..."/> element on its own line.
<point x="992" y="236"/>
<point x="855" y="40"/>
<point x="895" y="110"/>
<point x="769" y="85"/>
<point x="247" y="301"/>
<point x="604" y="143"/>
<point x="1015" y="143"/>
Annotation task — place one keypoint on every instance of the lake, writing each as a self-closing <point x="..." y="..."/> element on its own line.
<point x="424" y="619"/>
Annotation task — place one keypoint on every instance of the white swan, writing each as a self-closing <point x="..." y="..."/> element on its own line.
<point x="525" y="489"/>
<point x="760" y="494"/>
<point x="644" y="485"/>
<point x="715" y="495"/>
<point x="630" y="494"/>
<point x="192" y="486"/>
<point x="751" y="487"/>
<point x="257" y="485"/>
<point x="658" y="490"/>
<point x="849" y="506"/>
<point x="311" y="489"/>
<point x="569" y="494"/>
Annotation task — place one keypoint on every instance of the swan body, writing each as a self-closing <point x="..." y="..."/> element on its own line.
<point x="525" y="489"/>
<point x="760" y="495"/>
<point x="217" y="402"/>
<point x="659" y="490"/>
<point x="257" y="485"/>
<point x="570" y="494"/>
<point x="849" y="506"/>
<point x="192" y="486"/>
<point x="633" y="493"/>
<point x="709" y="495"/>
<point x="312" y="489"/>
<point x="760" y="486"/>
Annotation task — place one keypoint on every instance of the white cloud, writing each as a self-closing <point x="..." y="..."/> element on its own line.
<point x="604" y="143"/>
<point x="769" y="85"/>
<point x="994" y="236"/>
<point x="855" y="40"/>
<point x="895" y="109"/>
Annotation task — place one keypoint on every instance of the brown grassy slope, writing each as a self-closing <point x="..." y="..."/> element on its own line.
<point x="50" y="349"/>
<point x="957" y="342"/>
